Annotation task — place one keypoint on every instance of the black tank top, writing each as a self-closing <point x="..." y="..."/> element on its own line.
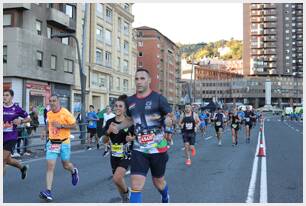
<point x="189" y="123"/>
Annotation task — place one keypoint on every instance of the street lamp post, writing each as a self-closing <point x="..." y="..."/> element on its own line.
<point x="82" y="78"/>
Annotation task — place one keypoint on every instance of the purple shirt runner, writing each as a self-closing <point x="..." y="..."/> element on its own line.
<point x="9" y="114"/>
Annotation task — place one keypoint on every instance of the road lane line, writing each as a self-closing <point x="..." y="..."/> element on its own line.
<point x="252" y="184"/>
<point x="207" y="138"/>
<point x="263" y="196"/>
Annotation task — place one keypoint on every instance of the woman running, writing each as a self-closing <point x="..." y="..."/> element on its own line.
<point x="235" y="127"/>
<point x="120" y="147"/>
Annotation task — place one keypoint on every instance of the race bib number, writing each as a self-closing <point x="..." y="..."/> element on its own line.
<point x="189" y="126"/>
<point x="117" y="150"/>
<point x="218" y="124"/>
<point x="234" y="126"/>
<point x="247" y="119"/>
<point x="146" y="138"/>
<point x="56" y="148"/>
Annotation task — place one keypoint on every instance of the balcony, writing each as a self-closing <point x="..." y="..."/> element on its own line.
<point x="257" y="32"/>
<point x="60" y="19"/>
<point x="257" y="6"/>
<point x="270" y="51"/>
<point x="269" y="6"/>
<point x="270" y="18"/>
<point x="270" y="12"/>
<point x="257" y="13"/>
<point x="269" y="31"/>
<point x="17" y="6"/>
<point x="256" y="19"/>
<point x="270" y="45"/>
<point x="269" y="38"/>
<point x="269" y="25"/>
<point x="257" y="46"/>
<point x="257" y="52"/>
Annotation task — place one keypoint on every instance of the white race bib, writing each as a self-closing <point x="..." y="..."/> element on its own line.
<point x="247" y="119"/>
<point x="218" y="124"/>
<point x="189" y="126"/>
<point x="56" y="148"/>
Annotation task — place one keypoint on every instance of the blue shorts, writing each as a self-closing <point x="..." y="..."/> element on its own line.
<point x="202" y="124"/>
<point x="64" y="152"/>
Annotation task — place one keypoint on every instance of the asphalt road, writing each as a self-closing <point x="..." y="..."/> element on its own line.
<point x="217" y="174"/>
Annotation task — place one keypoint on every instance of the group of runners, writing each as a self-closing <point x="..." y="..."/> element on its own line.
<point x="139" y="136"/>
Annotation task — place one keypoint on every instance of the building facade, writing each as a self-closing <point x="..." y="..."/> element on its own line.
<point x="161" y="57"/>
<point x="273" y="39"/>
<point x="110" y="56"/>
<point x="34" y="65"/>
<point x="207" y="72"/>
<point x="285" y="90"/>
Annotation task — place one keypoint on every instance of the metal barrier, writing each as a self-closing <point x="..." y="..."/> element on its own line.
<point x="29" y="137"/>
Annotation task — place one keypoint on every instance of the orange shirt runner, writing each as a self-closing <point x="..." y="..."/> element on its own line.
<point x="62" y="117"/>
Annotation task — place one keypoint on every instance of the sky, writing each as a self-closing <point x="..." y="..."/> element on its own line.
<point x="191" y="22"/>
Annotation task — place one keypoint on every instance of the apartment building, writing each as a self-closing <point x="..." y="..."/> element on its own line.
<point x="111" y="53"/>
<point x="161" y="57"/>
<point x="34" y="65"/>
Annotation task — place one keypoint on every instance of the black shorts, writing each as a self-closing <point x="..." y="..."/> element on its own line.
<point x="92" y="131"/>
<point x="218" y="127"/>
<point x="249" y="124"/>
<point x="119" y="162"/>
<point x="141" y="162"/>
<point x="189" y="137"/>
<point x="9" y="145"/>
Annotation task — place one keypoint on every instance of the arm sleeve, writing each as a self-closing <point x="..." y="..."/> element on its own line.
<point x="22" y="113"/>
<point x="69" y="118"/>
<point x="164" y="105"/>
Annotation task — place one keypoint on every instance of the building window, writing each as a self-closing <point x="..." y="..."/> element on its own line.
<point x="140" y="54"/>
<point x="99" y="57"/>
<point x="4" y="54"/>
<point x="111" y="79"/>
<point x="39" y="58"/>
<point x="65" y="40"/>
<point x="99" y="33"/>
<point x="69" y="10"/>
<point x="68" y="66"/>
<point x="126" y="6"/>
<point x="140" y="64"/>
<point x="99" y="10"/>
<point x="118" y="44"/>
<point x="119" y="24"/>
<point x="118" y="83"/>
<point x="108" y="37"/>
<point x="126" y="47"/>
<point x="49" y="5"/>
<point x="7" y="19"/>
<point x="125" y="85"/>
<point x="140" y="43"/>
<point x="140" y="34"/>
<point x="53" y="62"/>
<point x="126" y="28"/>
<point x="49" y="32"/>
<point x="125" y="66"/>
<point x="108" y="59"/>
<point x="38" y="27"/>
<point x="109" y="15"/>
<point x="118" y="64"/>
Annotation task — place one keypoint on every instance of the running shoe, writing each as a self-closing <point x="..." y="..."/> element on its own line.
<point x="125" y="197"/>
<point x="167" y="200"/>
<point x="46" y="195"/>
<point x="106" y="153"/>
<point x="75" y="177"/>
<point x="219" y="143"/>
<point x="188" y="162"/>
<point x="23" y="171"/>
<point x="193" y="152"/>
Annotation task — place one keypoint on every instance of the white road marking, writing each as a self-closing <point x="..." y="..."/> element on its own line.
<point x="207" y="138"/>
<point x="297" y="130"/>
<point x="263" y="196"/>
<point x="252" y="184"/>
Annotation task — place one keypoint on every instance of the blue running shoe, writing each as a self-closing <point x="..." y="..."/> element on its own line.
<point x="75" y="176"/>
<point x="167" y="200"/>
<point x="46" y="195"/>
